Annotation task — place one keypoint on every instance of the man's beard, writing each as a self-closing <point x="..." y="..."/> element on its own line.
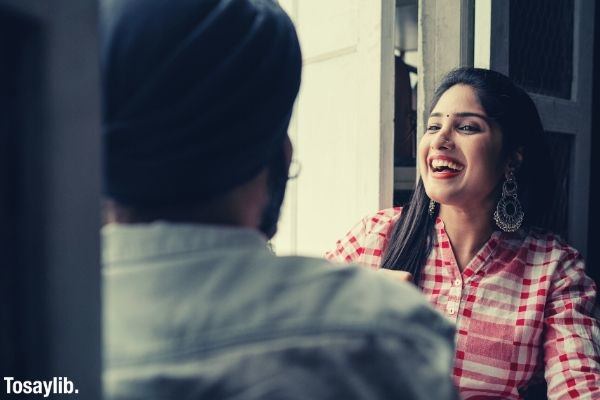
<point x="277" y="182"/>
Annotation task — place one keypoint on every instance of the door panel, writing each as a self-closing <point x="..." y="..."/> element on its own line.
<point x="556" y="35"/>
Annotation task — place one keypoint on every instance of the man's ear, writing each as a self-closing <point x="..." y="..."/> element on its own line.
<point x="288" y="150"/>
<point x="514" y="161"/>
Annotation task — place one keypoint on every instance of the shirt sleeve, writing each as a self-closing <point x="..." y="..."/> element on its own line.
<point x="350" y="247"/>
<point x="572" y="333"/>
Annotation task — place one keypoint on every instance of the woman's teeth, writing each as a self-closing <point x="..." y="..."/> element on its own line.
<point x="439" y="165"/>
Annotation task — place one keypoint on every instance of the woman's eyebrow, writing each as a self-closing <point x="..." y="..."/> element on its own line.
<point x="472" y="114"/>
<point x="462" y="114"/>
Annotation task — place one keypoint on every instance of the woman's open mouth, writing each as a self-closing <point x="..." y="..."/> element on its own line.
<point x="445" y="168"/>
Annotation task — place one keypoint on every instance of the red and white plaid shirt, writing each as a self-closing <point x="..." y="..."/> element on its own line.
<point x="523" y="309"/>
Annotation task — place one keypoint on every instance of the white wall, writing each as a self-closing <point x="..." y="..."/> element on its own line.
<point x="343" y="123"/>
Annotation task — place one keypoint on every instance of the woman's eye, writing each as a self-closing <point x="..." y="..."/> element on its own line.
<point x="432" y="128"/>
<point x="469" y="128"/>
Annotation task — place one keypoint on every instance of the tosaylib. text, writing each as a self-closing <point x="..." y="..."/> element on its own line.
<point x="58" y="385"/>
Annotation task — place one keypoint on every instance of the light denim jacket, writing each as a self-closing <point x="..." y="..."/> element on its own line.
<point x="205" y="312"/>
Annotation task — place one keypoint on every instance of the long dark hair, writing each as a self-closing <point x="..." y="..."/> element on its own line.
<point x="514" y="112"/>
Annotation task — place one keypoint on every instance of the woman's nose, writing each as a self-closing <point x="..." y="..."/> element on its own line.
<point x="442" y="140"/>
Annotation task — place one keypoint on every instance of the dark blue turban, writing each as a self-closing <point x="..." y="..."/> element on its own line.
<point x="197" y="95"/>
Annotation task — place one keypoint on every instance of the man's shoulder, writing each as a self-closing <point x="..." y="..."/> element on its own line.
<point x="255" y="310"/>
<point x="303" y="297"/>
<point x="349" y="295"/>
<point x="309" y="318"/>
<point x="260" y="291"/>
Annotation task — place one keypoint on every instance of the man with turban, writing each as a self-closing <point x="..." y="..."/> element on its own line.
<point x="197" y="100"/>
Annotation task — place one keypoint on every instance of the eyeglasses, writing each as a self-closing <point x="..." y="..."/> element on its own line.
<point x="295" y="169"/>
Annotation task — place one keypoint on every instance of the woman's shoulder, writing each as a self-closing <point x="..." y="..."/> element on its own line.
<point x="546" y="247"/>
<point x="547" y="241"/>
<point x="382" y="221"/>
<point x="543" y="256"/>
<point x="364" y="242"/>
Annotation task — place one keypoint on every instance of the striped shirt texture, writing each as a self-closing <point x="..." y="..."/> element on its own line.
<point x="523" y="308"/>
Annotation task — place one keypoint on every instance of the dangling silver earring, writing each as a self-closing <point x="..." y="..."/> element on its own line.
<point x="432" y="205"/>
<point x="509" y="213"/>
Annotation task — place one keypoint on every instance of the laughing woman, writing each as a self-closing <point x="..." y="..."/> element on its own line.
<point x="474" y="240"/>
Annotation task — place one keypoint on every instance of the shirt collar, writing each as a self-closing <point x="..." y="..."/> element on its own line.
<point x="485" y="252"/>
<point x="441" y="231"/>
<point x="132" y="242"/>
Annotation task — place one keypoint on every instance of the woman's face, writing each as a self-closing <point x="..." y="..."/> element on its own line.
<point x="460" y="153"/>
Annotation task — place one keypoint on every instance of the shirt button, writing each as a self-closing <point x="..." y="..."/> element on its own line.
<point x="457" y="282"/>
<point x="451" y="310"/>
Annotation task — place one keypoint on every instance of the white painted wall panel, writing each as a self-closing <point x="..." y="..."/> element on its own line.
<point x="327" y="144"/>
<point x="343" y="124"/>
<point x="327" y="26"/>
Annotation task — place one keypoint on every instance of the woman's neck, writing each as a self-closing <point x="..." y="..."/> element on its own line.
<point x="467" y="229"/>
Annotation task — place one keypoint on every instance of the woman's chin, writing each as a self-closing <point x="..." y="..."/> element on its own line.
<point x="443" y="196"/>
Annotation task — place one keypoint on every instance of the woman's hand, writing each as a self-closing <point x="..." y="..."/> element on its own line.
<point x="400" y="276"/>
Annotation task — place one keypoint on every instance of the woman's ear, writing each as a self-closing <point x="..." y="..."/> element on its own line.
<point x="514" y="162"/>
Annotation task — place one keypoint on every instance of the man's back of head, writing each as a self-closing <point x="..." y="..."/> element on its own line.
<point x="197" y="101"/>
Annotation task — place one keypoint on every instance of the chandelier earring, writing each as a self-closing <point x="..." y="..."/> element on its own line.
<point x="432" y="208"/>
<point x="509" y="213"/>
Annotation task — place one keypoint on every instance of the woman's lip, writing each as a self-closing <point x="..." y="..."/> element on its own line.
<point x="445" y="158"/>
<point x="445" y="174"/>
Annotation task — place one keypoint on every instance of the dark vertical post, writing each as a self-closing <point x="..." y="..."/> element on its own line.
<point x="50" y="193"/>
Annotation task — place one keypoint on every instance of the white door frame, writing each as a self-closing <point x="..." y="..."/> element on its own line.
<point x="445" y="42"/>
